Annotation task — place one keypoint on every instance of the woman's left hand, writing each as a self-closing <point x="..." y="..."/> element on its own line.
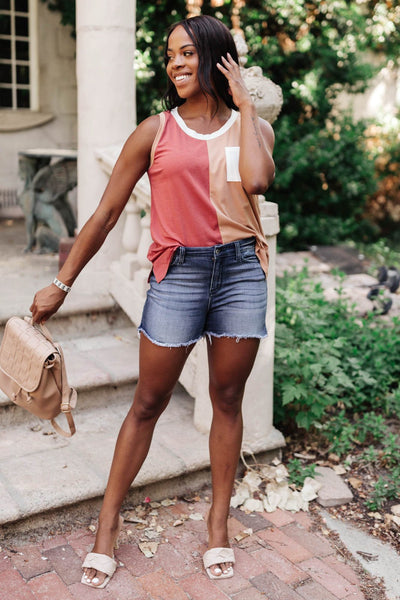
<point x="231" y="70"/>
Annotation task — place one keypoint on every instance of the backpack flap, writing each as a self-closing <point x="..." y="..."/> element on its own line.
<point x="24" y="352"/>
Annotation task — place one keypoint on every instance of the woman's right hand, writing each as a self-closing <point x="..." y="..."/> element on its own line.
<point x="46" y="302"/>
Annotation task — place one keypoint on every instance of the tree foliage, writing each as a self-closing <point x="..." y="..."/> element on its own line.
<point x="314" y="50"/>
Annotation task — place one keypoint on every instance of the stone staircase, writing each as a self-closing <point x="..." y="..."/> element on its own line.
<point x="41" y="471"/>
<point x="43" y="475"/>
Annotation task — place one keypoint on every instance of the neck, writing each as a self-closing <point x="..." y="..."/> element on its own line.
<point x="204" y="107"/>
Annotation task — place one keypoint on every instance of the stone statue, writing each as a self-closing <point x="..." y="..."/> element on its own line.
<point x="266" y="95"/>
<point x="48" y="214"/>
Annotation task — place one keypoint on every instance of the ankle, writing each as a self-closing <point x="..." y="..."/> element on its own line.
<point x="217" y="525"/>
<point x="109" y="520"/>
<point x="108" y="530"/>
<point x="217" y="517"/>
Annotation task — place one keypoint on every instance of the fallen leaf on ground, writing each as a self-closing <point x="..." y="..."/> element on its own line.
<point x="375" y="515"/>
<point x="396" y="510"/>
<point x="252" y="480"/>
<point x="396" y="520"/>
<point x="252" y="504"/>
<point x="148" y="548"/>
<point x="243" y="534"/>
<point x="241" y="495"/>
<point x="339" y="469"/>
<point x="178" y="522"/>
<point x="304" y="456"/>
<point x="132" y="517"/>
<point x="355" y="482"/>
<point x="334" y="457"/>
<point x="310" y="489"/>
<point x="151" y="534"/>
<point x="196" y="517"/>
<point x="168" y="502"/>
<point x="367" y="555"/>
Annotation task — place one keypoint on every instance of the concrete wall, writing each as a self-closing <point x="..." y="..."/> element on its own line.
<point x="57" y="97"/>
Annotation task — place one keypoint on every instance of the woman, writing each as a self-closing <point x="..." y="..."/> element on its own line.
<point x="207" y="158"/>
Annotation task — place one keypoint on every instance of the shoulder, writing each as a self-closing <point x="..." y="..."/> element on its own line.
<point x="147" y="129"/>
<point x="142" y="138"/>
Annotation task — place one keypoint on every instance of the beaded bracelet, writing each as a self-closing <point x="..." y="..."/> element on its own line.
<point x="61" y="285"/>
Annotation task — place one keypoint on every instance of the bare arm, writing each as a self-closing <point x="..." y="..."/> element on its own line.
<point x="130" y="166"/>
<point x="256" y="166"/>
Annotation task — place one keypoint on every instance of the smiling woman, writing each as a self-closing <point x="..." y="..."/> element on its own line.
<point x="207" y="50"/>
<point x="207" y="157"/>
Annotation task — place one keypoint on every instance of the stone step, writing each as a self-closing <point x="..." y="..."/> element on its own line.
<point x="46" y="479"/>
<point x="42" y="472"/>
<point x="86" y="322"/>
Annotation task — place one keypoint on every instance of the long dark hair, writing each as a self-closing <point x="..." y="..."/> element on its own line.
<point x="212" y="39"/>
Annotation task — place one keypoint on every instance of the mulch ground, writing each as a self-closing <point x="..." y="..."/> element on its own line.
<point x="359" y="477"/>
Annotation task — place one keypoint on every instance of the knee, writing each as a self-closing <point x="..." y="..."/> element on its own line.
<point x="147" y="407"/>
<point x="227" y="399"/>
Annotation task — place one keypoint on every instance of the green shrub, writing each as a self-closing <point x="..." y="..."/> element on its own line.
<point x="338" y="375"/>
<point x="324" y="178"/>
<point x="327" y="358"/>
<point x="386" y="488"/>
<point x="298" y="471"/>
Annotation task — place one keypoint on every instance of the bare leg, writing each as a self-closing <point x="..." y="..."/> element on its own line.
<point x="159" y="370"/>
<point x="230" y="364"/>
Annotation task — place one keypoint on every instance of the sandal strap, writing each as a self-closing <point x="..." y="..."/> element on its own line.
<point x="100" y="562"/>
<point x="216" y="556"/>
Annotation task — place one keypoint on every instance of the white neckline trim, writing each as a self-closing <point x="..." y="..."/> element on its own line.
<point x="204" y="136"/>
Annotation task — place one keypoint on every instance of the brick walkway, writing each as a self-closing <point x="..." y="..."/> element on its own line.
<point x="283" y="559"/>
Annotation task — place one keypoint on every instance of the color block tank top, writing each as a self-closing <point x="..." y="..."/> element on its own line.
<point x="197" y="198"/>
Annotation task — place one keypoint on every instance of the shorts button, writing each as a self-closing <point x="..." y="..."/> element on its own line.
<point x="217" y="251"/>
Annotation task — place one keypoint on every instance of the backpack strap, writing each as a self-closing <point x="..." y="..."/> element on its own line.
<point x="68" y="401"/>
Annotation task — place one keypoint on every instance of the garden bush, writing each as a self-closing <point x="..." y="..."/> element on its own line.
<point x="328" y="359"/>
<point x="337" y="377"/>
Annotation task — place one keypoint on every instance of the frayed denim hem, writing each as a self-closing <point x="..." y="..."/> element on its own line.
<point x="210" y="335"/>
<point x="166" y="345"/>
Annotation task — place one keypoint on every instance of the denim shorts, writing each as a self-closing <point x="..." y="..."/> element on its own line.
<point x="216" y="291"/>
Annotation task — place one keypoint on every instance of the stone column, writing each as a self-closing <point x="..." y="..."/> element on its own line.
<point x="106" y="105"/>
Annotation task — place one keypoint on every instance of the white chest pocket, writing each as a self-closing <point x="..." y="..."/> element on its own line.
<point x="232" y="163"/>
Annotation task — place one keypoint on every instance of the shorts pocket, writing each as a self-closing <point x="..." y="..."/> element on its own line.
<point x="249" y="255"/>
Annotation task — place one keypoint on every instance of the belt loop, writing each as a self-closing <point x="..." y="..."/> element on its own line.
<point x="238" y="251"/>
<point x="181" y="259"/>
